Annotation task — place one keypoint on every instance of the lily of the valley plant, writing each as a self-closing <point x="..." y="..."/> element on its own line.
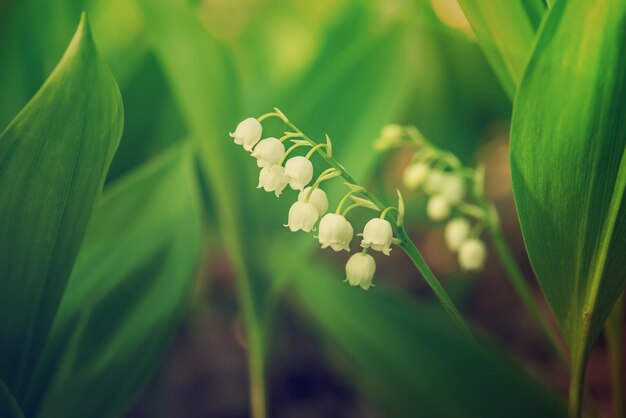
<point x="281" y="168"/>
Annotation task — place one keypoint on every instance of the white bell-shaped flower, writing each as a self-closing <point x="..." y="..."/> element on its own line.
<point x="472" y="254"/>
<point x="336" y="232"/>
<point x="456" y="232"/>
<point x="268" y="152"/>
<point x="453" y="189"/>
<point x="248" y="133"/>
<point x="318" y="198"/>
<point x="272" y="179"/>
<point x="434" y="182"/>
<point x="360" y="270"/>
<point x="299" y="171"/>
<point x="377" y="235"/>
<point x="415" y="175"/>
<point x="438" y="208"/>
<point x="302" y="216"/>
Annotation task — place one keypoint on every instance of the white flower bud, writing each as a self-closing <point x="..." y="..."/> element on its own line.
<point x="377" y="235"/>
<point x="318" y="198"/>
<point x="302" y="215"/>
<point x="415" y="175"/>
<point x="438" y="208"/>
<point x="390" y="135"/>
<point x="457" y="231"/>
<point x="472" y="254"/>
<point x="273" y="179"/>
<point x="434" y="181"/>
<point x="268" y="152"/>
<point x="248" y="133"/>
<point x="453" y="189"/>
<point x="299" y="171"/>
<point x="336" y="232"/>
<point x="360" y="270"/>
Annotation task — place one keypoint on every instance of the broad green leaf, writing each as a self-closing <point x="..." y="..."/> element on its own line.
<point x="409" y="359"/>
<point x="126" y="295"/>
<point x="568" y="140"/>
<point x="9" y="407"/>
<point x="505" y="31"/>
<point x="53" y="160"/>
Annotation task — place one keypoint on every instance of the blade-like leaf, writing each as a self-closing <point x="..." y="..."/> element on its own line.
<point x="126" y="294"/>
<point x="53" y="159"/>
<point x="427" y="367"/>
<point x="568" y="160"/>
<point x="505" y="31"/>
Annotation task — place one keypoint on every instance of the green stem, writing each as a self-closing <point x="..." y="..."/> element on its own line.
<point x="354" y="206"/>
<point x="521" y="287"/>
<point x="418" y="260"/>
<point x="578" y="365"/>
<point x="258" y="405"/>
<point x="290" y="150"/>
<point x="314" y="149"/>
<point x="614" y="331"/>
<point x="384" y="213"/>
<point x="406" y="244"/>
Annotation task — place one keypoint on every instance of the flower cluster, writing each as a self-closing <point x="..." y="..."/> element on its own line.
<point x="310" y="209"/>
<point x="450" y="188"/>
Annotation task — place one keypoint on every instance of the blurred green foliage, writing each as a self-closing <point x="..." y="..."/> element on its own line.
<point x="188" y="72"/>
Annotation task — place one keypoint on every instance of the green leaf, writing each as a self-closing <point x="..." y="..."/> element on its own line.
<point x="505" y="31"/>
<point x="427" y="367"/>
<point x="126" y="295"/>
<point x="568" y="139"/>
<point x="53" y="160"/>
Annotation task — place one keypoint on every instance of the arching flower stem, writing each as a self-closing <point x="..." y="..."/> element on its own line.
<point x="277" y="114"/>
<point x="384" y="213"/>
<point x="314" y="149"/>
<point x="354" y="206"/>
<point x="325" y="175"/>
<point x="400" y="232"/>
<point x="291" y="149"/>
<point x="289" y="135"/>
<point x="344" y="200"/>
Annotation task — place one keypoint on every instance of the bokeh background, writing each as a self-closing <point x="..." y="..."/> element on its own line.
<point x="188" y="72"/>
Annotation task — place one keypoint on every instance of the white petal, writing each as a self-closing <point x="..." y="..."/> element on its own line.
<point x="438" y="208"/>
<point x="299" y="170"/>
<point x="457" y="231"/>
<point x="472" y="254"/>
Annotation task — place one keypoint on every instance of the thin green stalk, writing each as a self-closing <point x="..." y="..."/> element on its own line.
<point x="578" y="365"/>
<point x="418" y="260"/>
<point x="406" y="244"/>
<point x="521" y="287"/>
<point x="614" y="331"/>
<point x="258" y="404"/>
